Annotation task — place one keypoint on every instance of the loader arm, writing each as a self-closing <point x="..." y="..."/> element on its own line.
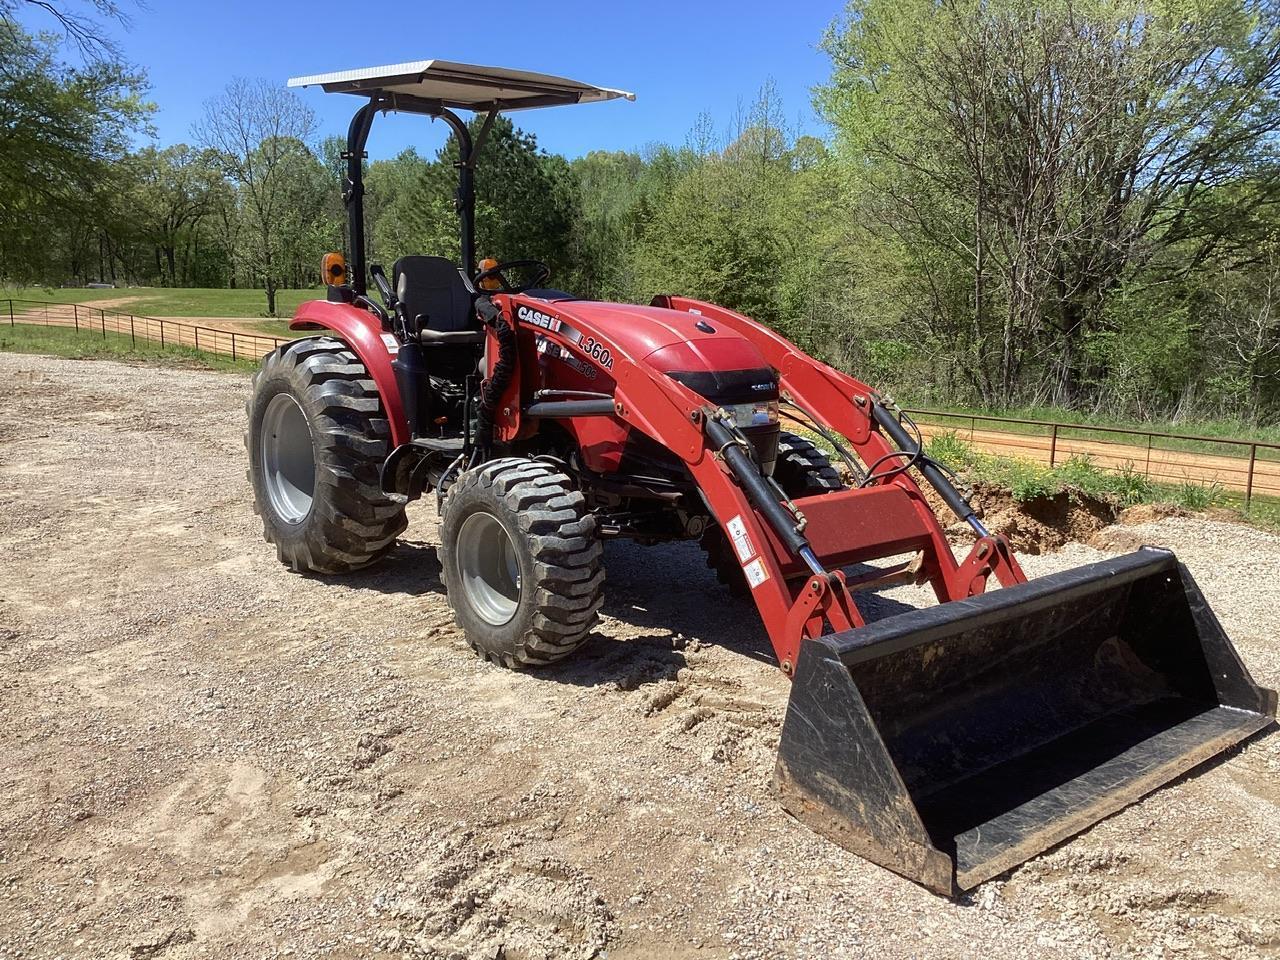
<point x="792" y="560"/>
<point x="847" y="406"/>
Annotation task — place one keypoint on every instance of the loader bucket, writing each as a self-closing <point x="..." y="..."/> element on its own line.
<point x="952" y="743"/>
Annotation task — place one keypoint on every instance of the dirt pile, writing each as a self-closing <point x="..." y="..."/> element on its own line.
<point x="1039" y="525"/>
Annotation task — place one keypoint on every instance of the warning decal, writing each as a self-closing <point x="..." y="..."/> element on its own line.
<point x="756" y="573"/>
<point x="741" y="539"/>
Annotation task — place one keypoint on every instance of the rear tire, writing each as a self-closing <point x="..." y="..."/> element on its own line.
<point x="521" y="562"/>
<point x="317" y="437"/>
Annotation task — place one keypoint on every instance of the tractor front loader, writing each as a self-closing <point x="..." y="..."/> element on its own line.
<point x="948" y="744"/>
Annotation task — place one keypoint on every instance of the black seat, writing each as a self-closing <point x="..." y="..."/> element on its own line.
<point x="435" y="300"/>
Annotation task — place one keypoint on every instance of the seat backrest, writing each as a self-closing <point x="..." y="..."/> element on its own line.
<point x="432" y="287"/>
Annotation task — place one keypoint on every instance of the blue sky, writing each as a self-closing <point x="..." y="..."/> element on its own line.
<point x="680" y="58"/>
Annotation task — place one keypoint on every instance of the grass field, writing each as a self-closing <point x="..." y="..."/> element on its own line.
<point x="174" y="302"/>
<point x="64" y="342"/>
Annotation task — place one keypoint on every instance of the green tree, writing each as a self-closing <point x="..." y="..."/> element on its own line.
<point x="260" y="133"/>
<point x="173" y="192"/>
<point x="62" y="130"/>
<point x="1029" y="158"/>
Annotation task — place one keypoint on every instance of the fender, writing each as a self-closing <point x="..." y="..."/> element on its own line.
<point x="362" y="332"/>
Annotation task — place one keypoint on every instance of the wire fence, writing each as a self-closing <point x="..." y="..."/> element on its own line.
<point x="166" y="333"/>
<point x="1248" y="467"/>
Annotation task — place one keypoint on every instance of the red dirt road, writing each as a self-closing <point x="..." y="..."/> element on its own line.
<point x="1161" y="465"/>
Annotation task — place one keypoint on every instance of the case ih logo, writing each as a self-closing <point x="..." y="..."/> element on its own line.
<point x="538" y="319"/>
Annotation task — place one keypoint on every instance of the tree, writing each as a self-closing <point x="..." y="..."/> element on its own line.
<point x="728" y="229"/>
<point x="83" y="31"/>
<point x="174" y="190"/>
<point x="1030" y="157"/>
<point x="260" y="133"/>
<point x="525" y="202"/>
<point x="62" y="131"/>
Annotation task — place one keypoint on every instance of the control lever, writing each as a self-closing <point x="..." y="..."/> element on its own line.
<point x="383" y="285"/>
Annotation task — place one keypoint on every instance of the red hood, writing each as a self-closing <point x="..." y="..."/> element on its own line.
<point x="668" y="339"/>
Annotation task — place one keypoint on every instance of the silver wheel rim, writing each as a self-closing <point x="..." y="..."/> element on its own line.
<point x="288" y="460"/>
<point x="488" y="568"/>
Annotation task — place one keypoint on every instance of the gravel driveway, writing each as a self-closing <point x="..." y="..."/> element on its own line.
<point x="205" y="755"/>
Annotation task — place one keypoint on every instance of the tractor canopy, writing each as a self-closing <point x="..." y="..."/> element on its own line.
<point x="435" y="88"/>
<point x="461" y="86"/>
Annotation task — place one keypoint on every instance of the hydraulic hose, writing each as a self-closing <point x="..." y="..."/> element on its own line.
<point x="491" y="390"/>
<point x="937" y="479"/>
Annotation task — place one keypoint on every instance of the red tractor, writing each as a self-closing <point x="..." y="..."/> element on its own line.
<point x="948" y="744"/>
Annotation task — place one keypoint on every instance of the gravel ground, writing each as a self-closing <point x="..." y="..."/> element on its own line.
<point x="208" y="756"/>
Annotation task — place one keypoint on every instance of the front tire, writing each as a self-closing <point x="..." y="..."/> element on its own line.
<point x="317" y="437"/>
<point x="802" y="470"/>
<point x="521" y="562"/>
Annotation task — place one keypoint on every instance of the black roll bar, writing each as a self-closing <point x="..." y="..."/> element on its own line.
<point x="353" y="189"/>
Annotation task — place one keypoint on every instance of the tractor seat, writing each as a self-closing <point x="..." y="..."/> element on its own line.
<point x="436" y="301"/>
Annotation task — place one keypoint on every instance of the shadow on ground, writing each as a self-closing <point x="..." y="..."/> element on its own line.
<point x="665" y="592"/>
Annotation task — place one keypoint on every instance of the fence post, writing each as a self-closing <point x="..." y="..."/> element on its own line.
<point x="1248" y="484"/>
<point x="133" y="340"/>
<point x="11" y="313"/>
<point x="233" y="346"/>
<point x="103" y="316"/>
<point x="1053" y="448"/>
<point x="75" y="312"/>
<point x="162" y="333"/>
<point x="1149" y="439"/>
<point x="197" y="329"/>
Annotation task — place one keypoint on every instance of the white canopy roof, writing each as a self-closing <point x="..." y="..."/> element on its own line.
<point x="462" y="85"/>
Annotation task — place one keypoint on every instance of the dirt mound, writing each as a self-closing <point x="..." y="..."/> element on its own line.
<point x="1039" y="525"/>
<point x="1149" y="513"/>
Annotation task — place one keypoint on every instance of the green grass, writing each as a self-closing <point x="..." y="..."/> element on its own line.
<point x="1026" y="480"/>
<point x="172" y="301"/>
<point x="83" y="345"/>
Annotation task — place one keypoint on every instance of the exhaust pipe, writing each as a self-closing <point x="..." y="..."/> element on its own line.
<point x="955" y="742"/>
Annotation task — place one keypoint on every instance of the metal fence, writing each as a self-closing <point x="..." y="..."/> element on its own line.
<point x="1242" y="466"/>
<point x="1248" y="467"/>
<point x="167" y="333"/>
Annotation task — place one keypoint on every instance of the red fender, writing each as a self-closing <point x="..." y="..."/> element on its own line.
<point x="362" y="332"/>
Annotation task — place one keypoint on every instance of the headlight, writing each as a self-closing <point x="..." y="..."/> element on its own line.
<point x="758" y="413"/>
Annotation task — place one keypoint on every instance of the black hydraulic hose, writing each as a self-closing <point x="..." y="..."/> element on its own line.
<point x="936" y="477"/>
<point x="571" y="408"/>
<point x="491" y="390"/>
<point x="841" y="451"/>
<point x="759" y="493"/>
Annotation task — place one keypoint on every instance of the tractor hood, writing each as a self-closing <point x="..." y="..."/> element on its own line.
<point x="671" y="341"/>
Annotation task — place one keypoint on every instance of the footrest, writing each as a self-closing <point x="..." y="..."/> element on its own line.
<point x="452" y="445"/>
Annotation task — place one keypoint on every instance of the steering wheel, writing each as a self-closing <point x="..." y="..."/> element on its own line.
<point x="539" y="273"/>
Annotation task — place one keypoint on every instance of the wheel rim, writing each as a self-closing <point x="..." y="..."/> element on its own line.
<point x="288" y="460"/>
<point x="488" y="568"/>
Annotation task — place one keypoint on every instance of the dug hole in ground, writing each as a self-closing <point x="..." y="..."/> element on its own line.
<point x="206" y="755"/>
